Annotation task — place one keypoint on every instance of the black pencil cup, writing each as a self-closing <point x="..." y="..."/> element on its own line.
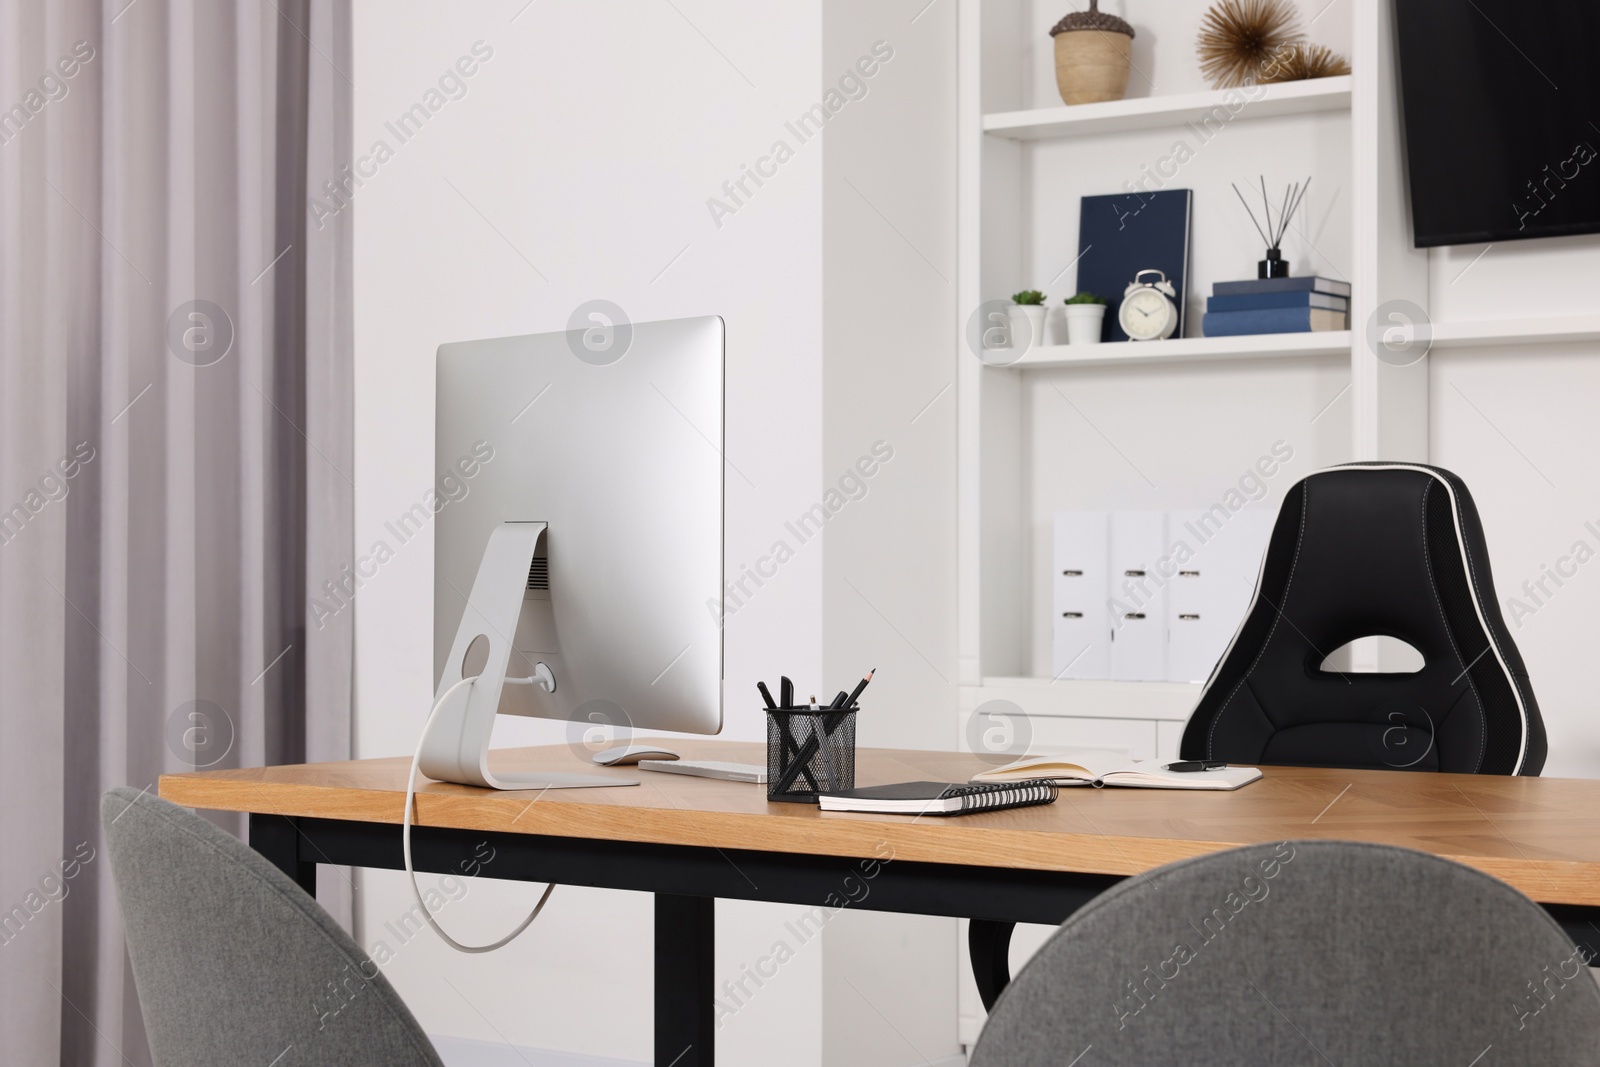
<point x="810" y="752"/>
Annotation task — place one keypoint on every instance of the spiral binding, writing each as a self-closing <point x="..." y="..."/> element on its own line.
<point x="998" y="795"/>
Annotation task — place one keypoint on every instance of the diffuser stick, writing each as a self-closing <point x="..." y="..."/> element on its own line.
<point x="1296" y="205"/>
<point x="1266" y="207"/>
<point x="1252" y="214"/>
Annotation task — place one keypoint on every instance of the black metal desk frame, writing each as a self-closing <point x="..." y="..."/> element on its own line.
<point x="686" y="881"/>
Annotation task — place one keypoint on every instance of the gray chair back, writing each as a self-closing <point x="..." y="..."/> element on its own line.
<point x="1303" y="953"/>
<point x="234" y="962"/>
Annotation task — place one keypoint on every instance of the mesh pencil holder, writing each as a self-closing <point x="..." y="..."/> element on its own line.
<point x="809" y="752"/>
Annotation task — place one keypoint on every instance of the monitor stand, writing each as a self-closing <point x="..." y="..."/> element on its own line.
<point x="456" y="746"/>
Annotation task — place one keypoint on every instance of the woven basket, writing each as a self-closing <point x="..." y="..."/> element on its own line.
<point x="1092" y="65"/>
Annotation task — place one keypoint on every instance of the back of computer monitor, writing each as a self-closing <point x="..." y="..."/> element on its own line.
<point x="615" y="442"/>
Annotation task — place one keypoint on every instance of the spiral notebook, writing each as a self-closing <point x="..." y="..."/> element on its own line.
<point x="939" y="798"/>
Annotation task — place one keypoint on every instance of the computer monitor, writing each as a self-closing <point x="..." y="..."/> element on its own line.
<point x="578" y="536"/>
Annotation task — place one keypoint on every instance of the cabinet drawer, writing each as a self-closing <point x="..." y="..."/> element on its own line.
<point x="1044" y="733"/>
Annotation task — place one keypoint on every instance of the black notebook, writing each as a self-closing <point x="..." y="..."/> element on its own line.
<point x="939" y="798"/>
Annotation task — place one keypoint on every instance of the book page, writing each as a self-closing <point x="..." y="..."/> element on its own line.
<point x="1149" y="774"/>
<point x="1078" y="765"/>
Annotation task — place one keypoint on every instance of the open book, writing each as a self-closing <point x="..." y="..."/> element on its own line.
<point x="1102" y="766"/>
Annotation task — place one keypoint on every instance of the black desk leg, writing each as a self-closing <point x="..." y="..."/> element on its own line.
<point x="277" y="837"/>
<point x="685" y="982"/>
<point x="989" y="943"/>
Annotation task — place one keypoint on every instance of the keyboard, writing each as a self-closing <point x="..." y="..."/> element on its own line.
<point x="730" y="772"/>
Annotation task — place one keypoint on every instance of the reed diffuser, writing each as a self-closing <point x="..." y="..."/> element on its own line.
<point x="1274" y="266"/>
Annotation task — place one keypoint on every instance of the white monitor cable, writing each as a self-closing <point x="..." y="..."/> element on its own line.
<point x="405" y="833"/>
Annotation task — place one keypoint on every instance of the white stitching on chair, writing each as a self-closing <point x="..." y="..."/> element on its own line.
<point x="1427" y="561"/>
<point x="1305" y="512"/>
<point x="1488" y="631"/>
<point x="1523" y="701"/>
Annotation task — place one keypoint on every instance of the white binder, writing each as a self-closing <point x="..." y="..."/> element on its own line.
<point x="1138" y="596"/>
<point x="1081" y="627"/>
<point x="1210" y="593"/>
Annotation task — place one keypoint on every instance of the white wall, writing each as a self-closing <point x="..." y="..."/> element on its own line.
<point x="578" y="165"/>
<point x="1516" y="423"/>
<point x="889" y="322"/>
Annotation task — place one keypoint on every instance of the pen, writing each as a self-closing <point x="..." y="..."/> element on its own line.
<point x="830" y="774"/>
<point x="785" y="692"/>
<point x="787" y="741"/>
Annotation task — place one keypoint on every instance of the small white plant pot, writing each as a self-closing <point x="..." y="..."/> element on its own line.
<point x="1084" y="323"/>
<point x="1027" y="325"/>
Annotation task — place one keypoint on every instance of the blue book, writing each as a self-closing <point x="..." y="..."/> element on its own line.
<point x="1281" y="285"/>
<point x="1125" y="233"/>
<point x="1273" y="320"/>
<point x="1257" y="301"/>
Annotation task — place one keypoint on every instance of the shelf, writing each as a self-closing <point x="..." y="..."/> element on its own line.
<point x="1513" y="332"/>
<point x="1187" y="350"/>
<point x="1154" y="112"/>
<point x="1163" y="701"/>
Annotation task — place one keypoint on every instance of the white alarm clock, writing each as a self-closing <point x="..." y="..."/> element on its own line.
<point x="1148" y="312"/>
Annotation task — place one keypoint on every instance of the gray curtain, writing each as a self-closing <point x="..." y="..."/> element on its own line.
<point x="175" y="449"/>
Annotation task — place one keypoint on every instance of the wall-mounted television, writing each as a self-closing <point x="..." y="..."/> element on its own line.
<point x="1501" y="102"/>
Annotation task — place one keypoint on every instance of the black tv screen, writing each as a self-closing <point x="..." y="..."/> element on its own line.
<point x="1501" y="101"/>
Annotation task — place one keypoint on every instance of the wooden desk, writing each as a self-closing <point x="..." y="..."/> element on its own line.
<point x="691" y="840"/>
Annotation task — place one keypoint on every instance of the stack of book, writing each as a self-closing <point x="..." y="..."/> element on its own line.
<point x="1277" y="305"/>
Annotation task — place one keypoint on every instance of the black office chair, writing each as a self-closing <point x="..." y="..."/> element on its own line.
<point x="1373" y="549"/>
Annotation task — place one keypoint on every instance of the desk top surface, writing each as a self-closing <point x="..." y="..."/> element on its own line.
<point x="1541" y="835"/>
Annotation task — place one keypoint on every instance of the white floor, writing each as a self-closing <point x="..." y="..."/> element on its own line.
<point x="460" y="1052"/>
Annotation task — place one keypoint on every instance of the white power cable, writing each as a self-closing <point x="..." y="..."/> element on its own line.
<point x="405" y="832"/>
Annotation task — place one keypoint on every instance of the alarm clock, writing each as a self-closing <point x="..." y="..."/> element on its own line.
<point x="1148" y="311"/>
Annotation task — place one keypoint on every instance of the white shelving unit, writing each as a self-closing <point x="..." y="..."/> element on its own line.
<point x="1012" y="150"/>
<point x="1187" y="350"/>
<point x="1500" y="333"/>
<point x="1166" y="424"/>
<point x="1178" y="109"/>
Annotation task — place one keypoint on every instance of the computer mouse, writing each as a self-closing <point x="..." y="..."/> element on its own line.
<point x="628" y="755"/>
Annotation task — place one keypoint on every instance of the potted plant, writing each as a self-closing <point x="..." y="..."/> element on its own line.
<point x="1093" y="52"/>
<point x="1085" y="314"/>
<point x="1029" y="308"/>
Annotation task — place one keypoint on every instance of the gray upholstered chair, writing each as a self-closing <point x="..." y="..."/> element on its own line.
<point x="1309" y="952"/>
<point x="233" y="961"/>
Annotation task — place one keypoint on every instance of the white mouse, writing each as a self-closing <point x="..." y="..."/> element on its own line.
<point x="628" y="755"/>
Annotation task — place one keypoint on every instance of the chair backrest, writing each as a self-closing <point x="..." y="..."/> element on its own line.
<point x="1302" y="953"/>
<point x="234" y="962"/>
<point x="1373" y="549"/>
